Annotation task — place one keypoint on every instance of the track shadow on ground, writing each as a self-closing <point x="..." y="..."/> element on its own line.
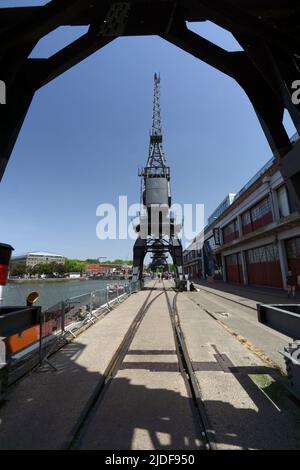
<point x="44" y="409"/>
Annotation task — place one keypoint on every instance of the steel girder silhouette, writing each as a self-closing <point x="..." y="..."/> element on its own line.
<point x="266" y="68"/>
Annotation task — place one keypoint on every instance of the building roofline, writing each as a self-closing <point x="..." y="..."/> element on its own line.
<point x="270" y="165"/>
<point x="38" y="253"/>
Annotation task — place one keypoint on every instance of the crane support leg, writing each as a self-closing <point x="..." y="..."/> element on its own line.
<point x="139" y="253"/>
<point x="176" y="252"/>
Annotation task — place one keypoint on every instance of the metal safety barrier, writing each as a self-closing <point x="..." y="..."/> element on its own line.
<point x="63" y="321"/>
<point x="292" y="360"/>
<point x="286" y="319"/>
<point x="282" y="318"/>
<point x="13" y="321"/>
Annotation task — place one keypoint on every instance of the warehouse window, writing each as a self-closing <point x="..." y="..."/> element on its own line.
<point x="233" y="260"/>
<point x="231" y="232"/>
<point x="293" y="248"/>
<point x="263" y="254"/>
<point x="263" y="208"/>
<point x="259" y="216"/>
<point x="246" y="218"/>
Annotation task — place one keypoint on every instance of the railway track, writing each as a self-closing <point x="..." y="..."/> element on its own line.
<point x="201" y="423"/>
<point x="187" y="371"/>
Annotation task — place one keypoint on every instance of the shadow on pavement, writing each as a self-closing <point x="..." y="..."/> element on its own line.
<point x="43" y="409"/>
<point x="257" y="294"/>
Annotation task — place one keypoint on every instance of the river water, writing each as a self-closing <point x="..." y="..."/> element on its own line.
<point x="52" y="292"/>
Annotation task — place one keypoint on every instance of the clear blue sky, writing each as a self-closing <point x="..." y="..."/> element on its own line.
<point x="87" y="133"/>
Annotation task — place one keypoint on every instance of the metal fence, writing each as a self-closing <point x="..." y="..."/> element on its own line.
<point x="67" y="319"/>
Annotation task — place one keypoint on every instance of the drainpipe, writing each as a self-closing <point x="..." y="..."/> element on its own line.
<point x="283" y="261"/>
<point x="275" y="213"/>
<point x="240" y="226"/>
<point x="244" y="268"/>
<point x="224" y="269"/>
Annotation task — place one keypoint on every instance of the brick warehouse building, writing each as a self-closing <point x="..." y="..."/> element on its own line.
<point x="253" y="237"/>
<point x="97" y="269"/>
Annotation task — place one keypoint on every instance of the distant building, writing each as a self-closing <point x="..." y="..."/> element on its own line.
<point x="106" y="269"/>
<point x="95" y="269"/>
<point x="37" y="257"/>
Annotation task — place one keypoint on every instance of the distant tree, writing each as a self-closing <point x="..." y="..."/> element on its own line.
<point x="47" y="269"/>
<point x="120" y="261"/>
<point x="43" y="269"/>
<point x="75" y="266"/>
<point x="33" y="270"/>
<point x="19" y="269"/>
<point x="59" y="268"/>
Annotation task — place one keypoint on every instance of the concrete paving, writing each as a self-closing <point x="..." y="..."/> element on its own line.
<point x="147" y="407"/>
<point x="43" y="408"/>
<point x="248" y="295"/>
<point x="246" y="408"/>
<point x="239" y="314"/>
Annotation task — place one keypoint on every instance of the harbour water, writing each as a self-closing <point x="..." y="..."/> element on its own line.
<point x="52" y="291"/>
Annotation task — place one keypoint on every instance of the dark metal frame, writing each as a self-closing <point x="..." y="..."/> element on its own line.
<point x="267" y="30"/>
<point x="282" y="318"/>
<point x="14" y="320"/>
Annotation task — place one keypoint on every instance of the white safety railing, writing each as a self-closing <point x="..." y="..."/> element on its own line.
<point x="68" y="318"/>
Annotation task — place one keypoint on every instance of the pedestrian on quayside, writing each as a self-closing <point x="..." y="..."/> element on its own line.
<point x="291" y="282"/>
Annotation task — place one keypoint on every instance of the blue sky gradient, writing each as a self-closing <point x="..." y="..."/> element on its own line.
<point x="87" y="133"/>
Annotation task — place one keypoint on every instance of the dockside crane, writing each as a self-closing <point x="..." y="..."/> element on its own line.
<point x="158" y="232"/>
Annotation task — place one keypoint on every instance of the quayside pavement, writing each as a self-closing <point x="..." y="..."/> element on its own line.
<point x="235" y="307"/>
<point x="146" y="403"/>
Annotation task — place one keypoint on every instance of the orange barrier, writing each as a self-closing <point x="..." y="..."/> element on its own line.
<point x="20" y="341"/>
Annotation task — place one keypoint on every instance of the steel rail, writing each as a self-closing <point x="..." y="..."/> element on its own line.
<point x="185" y="367"/>
<point x="76" y="435"/>
<point x="189" y="376"/>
